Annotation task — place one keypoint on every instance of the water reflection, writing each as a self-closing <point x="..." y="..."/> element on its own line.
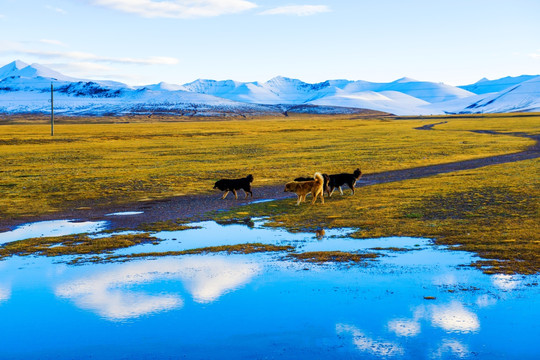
<point x="51" y="228"/>
<point x="5" y="293"/>
<point x="485" y="300"/>
<point x="505" y="282"/>
<point x="452" y="347"/>
<point x="365" y="343"/>
<point x="404" y="327"/>
<point x="454" y="317"/>
<point x="116" y="294"/>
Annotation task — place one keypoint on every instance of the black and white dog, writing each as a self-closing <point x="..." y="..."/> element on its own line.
<point x="338" y="180"/>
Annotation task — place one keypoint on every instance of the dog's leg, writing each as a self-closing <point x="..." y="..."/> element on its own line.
<point x="341" y="191"/>
<point x="299" y="199"/>
<point x="235" y="195"/>
<point x="321" y="195"/>
<point x="245" y="193"/>
<point x="331" y="191"/>
<point x="225" y="195"/>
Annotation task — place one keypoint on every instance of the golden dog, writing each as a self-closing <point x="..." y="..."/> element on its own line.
<point x="302" y="188"/>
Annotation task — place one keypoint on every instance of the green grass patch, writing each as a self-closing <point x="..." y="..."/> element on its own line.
<point x="321" y="257"/>
<point x="249" y="248"/>
<point x="73" y="245"/>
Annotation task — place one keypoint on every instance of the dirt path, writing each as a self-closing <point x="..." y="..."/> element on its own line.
<point x="196" y="206"/>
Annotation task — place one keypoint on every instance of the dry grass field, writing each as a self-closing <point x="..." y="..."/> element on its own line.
<point x="105" y="164"/>
<point x="492" y="211"/>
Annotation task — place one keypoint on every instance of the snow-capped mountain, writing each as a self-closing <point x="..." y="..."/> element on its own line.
<point x="25" y="88"/>
<point x="524" y="96"/>
<point x="485" y="86"/>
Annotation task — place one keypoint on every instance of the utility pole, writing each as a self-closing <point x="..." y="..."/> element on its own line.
<point x="52" y="111"/>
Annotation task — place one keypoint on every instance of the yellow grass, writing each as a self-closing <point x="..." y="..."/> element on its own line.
<point x="90" y="165"/>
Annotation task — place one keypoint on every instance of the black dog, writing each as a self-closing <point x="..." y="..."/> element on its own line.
<point x="309" y="178"/>
<point x="338" y="180"/>
<point x="235" y="184"/>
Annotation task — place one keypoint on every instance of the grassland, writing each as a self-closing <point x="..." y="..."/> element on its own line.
<point x="492" y="211"/>
<point x="92" y="165"/>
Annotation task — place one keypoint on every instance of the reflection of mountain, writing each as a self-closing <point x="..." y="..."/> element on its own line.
<point x="366" y="344"/>
<point x="112" y="295"/>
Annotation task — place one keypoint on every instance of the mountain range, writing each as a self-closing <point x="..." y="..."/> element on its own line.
<point x="26" y="88"/>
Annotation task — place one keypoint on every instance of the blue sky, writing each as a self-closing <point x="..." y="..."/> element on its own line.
<point x="177" y="41"/>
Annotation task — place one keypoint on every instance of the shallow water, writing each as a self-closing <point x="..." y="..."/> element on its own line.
<point x="51" y="228"/>
<point x="265" y="306"/>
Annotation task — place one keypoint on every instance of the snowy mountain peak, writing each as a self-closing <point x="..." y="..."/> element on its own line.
<point x="485" y="86"/>
<point x="405" y="80"/>
<point x="22" y="87"/>
<point x="37" y="70"/>
<point x="12" y="68"/>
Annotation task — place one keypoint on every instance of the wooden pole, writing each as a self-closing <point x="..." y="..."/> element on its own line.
<point x="52" y="110"/>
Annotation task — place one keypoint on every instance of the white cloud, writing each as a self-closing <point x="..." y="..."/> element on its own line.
<point x="52" y="42"/>
<point x="17" y="48"/>
<point x="2" y="16"/>
<point x="535" y="55"/>
<point x="180" y="9"/>
<point x="298" y="10"/>
<point x="56" y="9"/>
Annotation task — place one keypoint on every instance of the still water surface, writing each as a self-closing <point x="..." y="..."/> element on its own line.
<point x="263" y="306"/>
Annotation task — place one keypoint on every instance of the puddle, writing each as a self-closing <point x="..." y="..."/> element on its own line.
<point x="51" y="228"/>
<point x="414" y="304"/>
<point x="126" y="213"/>
<point x="261" y="201"/>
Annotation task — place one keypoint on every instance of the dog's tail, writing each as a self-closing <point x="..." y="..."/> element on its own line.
<point x="318" y="178"/>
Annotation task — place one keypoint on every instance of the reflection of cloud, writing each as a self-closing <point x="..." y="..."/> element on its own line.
<point x="408" y="327"/>
<point x="364" y="343"/>
<point x="207" y="278"/>
<point x="485" y="300"/>
<point x="445" y="279"/>
<point x="404" y="327"/>
<point x="5" y="294"/>
<point x="505" y="282"/>
<point x="454" y="317"/>
<point x="453" y="346"/>
<point x="206" y="281"/>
